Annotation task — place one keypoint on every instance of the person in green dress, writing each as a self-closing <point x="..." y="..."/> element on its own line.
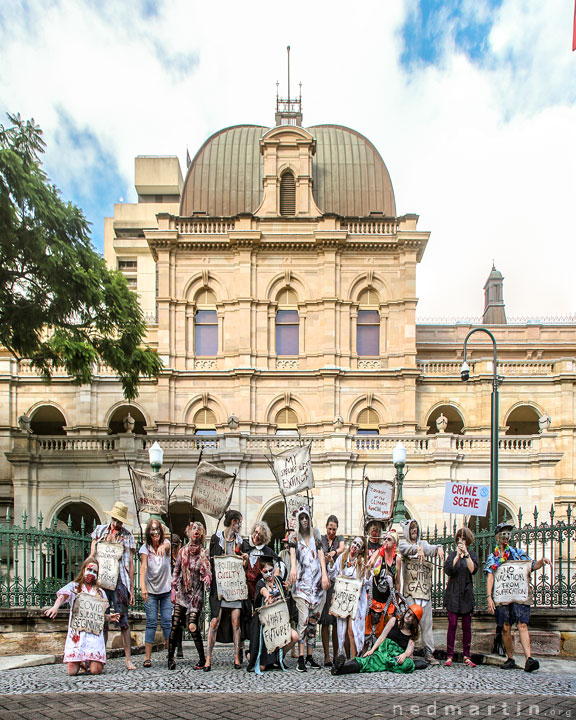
<point x="392" y="651"/>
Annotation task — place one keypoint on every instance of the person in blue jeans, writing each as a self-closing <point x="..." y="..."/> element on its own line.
<point x="155" y="584"/>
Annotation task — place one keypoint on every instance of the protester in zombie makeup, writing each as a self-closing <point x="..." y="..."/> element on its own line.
<point x="191" y="575"/>
<point x="386" y="566"/>
<point x="230" y="619"/>
<point x="155" y="584"/>
<point x="374" y="531"/>
<point x="333" y="546"/>
<point x="255" y="547"/>
<point x="176" y="544"/>
<point x="83" y="651"/>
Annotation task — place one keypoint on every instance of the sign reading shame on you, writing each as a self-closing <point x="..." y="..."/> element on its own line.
<point x="150" y="491"/>
<point x="275" y="621"/>
<point x="88" y="613"/>
<point x="109" y="555"/>
<point x="345" y="597"/>
<point x="417" y="578"/>
<point x="212" y="489"/>
<point x="511" y="582"/>
<point x="293" y="470"/>
<point x="230" y="578"/>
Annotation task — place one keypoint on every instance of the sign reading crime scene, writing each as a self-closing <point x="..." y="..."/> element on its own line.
<point x="379" y="500"/>
<point x="275" y="621"/>
<point x="293" y="470"/>
<point x="151" y="492"/>
<point x="511" y="582"/>
<point x="466" y="499"/>
<point x="417" y="578"/>
<point x="88" y="613"/>
<point x="230" y="578"/>
<point x="345" y="597"/>
<point x="212" y="490"/>
<point x="109" y="555"/>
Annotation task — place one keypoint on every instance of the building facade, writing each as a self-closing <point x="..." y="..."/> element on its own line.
<point x="279" y="287"/>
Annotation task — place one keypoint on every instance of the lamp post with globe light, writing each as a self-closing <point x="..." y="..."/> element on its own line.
<point x="399" y="460"/>
<point x="155" y="458"/>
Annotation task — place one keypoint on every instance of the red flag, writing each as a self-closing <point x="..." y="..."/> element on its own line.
<point x="574" y="30"/>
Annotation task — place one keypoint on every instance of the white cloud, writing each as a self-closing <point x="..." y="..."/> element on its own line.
<point x="484" y="153"/>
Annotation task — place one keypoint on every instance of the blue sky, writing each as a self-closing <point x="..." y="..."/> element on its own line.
<point x="472" y="104"/>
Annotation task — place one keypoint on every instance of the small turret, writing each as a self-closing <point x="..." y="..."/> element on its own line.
<point x="494" y="308"/>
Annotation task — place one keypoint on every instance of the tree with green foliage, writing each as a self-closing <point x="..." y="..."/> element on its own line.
<point x="60" y="306"/>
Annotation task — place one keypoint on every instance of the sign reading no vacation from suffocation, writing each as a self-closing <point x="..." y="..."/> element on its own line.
<point x="88" y="613"/>
<point x="275" y="621"/>
<point x="511" y="582"/>
<point x="230" y="578"/>
<point x="293" y="470"/>
<point x="466" y="499"/>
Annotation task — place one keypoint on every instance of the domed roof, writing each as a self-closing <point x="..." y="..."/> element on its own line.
<point x="349" y="176"/>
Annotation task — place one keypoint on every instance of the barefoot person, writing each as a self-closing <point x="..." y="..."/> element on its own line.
<point x="123" y="595"/>
<point x="83" y="650"/>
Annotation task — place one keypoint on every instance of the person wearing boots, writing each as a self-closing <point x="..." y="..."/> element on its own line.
<point x="393" y="650"/>
<point x="513" y="613"/>
<point x="413" y="546"/>
<point x="191" y="574"/>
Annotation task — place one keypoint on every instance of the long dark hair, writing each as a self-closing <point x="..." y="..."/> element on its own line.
<point x="230" y="516"/>
<point x="148" y="533"/>
<point x="414" y="627"/>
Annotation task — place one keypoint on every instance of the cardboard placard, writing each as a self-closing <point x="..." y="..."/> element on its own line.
<point x="293" y="504"/>
<point x="88" y="613"/>
<point x="379" y="500"/>
<point x="230" y="578"/>
<point x="466" y="499"/>
<point x="417" y="578"/>
<point x="150" y="491"/>
<point x="345" y="597"/>
<point x="275" y="621"/>
<point x="511" y="582"/>
<point x="293" y="470"/>
<point x="212" y="490"/>
<point x="109" y="555"/>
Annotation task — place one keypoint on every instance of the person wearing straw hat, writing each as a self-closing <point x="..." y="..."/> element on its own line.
<point x="123" y="594"/>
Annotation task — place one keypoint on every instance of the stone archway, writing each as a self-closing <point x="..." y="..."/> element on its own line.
<point x="523" y="420"/>
<point x="48" y="420"/>
<point x="77" y="512"/>
<point x="116" y="425"/>
<point x="275" y="517"/>
<point x="504" y="513"/>
<point x="455" y="422"/>
<point x="180" y="516"/>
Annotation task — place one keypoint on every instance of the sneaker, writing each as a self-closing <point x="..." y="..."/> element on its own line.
<point x="312" y="663"/>
<point x="431" y="660"/>
<point x="180" y="653"/>
<point x="340" y="660"/>
<point x="531" y="665"/>
<point x="328" y="663"/>
<point x="509" y="664"/>
<point x="301" y="667"/>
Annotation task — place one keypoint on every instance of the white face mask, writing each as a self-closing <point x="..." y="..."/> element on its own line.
<point x="267" y="572"/>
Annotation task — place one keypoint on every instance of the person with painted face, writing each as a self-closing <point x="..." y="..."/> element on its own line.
<point x="386" y="566"/>
<point x="123" y="595"/>
<point x="309" y="581"/>
<point x="191" y="575"/>
<point x="393" y="650"/>
<point x="374" y="531"/>
<point x="83" y="651"/>
<point x="514" y="613"/>
<point x="229" y="618"/>
<point x="255" y="547"/>
<point x="354" y="563"/>
<point x="269" y="589"/>
<point x="333" y="546"/>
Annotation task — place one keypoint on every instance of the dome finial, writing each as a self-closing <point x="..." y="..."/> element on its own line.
<point x="288" y="110"/>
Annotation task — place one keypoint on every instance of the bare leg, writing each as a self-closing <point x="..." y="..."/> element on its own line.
<point x="73" y="668"/>
<point x="350" y="633"/>
<point x="236" y="635"/>
<point x="214" y="625"/>
<point x="95" y="667"/>
<point x="148" y="650"/>
<point x="525" y="639"/>
<point x="127" y="644"/>
<point x="507" y="640"/>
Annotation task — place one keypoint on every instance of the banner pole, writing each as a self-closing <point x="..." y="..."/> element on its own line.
<point x="192" y="490"/>
<point x="134" y="498"/>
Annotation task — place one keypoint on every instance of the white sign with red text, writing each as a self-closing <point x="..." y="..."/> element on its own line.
<point x="466" y="498"/>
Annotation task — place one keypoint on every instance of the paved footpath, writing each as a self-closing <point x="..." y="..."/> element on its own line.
<point x="47" y="692"/>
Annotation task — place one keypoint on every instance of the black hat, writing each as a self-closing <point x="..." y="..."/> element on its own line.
<point x="267" y="558"/>
<point x="503" y="526"/>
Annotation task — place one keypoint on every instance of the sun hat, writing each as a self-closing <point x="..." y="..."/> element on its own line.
<point x="417" y="611"/>
<point x="119" y="512"/>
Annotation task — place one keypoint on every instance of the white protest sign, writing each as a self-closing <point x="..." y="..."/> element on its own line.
<point x="511" y="582"/>
<point x="88" y="613"/>
<point x="417" y="578"/>
<point x="345" y="597"/>
<point x="275" y="620"/>
<point x="109" y="555"/>
<point x="293" y="470"/>
<point x="151" y="492"/>
<point x="230" y="578"/>
<point x="466" y="498"/>
<point x="379" y="500"/>
<point x="212" y="489"/>
<point x="293" y="504"/>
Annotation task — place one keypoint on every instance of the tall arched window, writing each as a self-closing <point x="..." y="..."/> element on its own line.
<point x="368" y="422"/>
<point x="286" y="422"/>
<point x="287" y="323"/>
<point x="48" y="420"/>
<point x="206" y="324"/>
<point x="205" y="422"/>
<point x="287" y="194"/>
<point x="522" y="420"/>
<point x="368" y="324"/>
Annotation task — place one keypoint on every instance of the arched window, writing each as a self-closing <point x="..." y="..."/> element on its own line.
<point x="286" y="422"/>
<point x="454" y="423"/>
<point x="116" y="423"/>
<point x="287" y="323"/>
<point x="48" y="420"/>
<point x="368" y="324"/>
<point x="206" y="324"/>
<point x="368" y="422"/>
<point x="522" y="421"/>
<point x="205" y="422"/>
<point x="287" y="194"/>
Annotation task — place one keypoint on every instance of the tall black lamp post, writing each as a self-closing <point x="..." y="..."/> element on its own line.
<point x="465" y="374"/>
<point x="399" y="460"/>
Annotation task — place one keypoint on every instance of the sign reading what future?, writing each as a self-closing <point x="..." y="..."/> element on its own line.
<point x="275" y="621"/>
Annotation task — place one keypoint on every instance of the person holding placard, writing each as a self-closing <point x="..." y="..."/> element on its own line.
<point x="120" y="592"/>
<point x="333" y="546"/>
<point x="460" y="565"/>
<point x="515" y="611"/>
<point x="85" y="649"/>
<point x="255" y="547"/>
<point x="386" y="566"/>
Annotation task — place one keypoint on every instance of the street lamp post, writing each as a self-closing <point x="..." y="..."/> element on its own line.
<point x="155" y="458"/>
<point x="465" y="374"/>
<point x="399" y="460"/>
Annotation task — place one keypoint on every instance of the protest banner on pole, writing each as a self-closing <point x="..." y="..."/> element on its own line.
<point x="379" y="500"/>
<point x="109" y="555"/>
<point x="212" y="490"/>
<point x="230" y="578"/>
<point x="293" y="470"/>
<point x="294" y="503"/>
<point x="512" y="582"/>
<point x="466" y="499"/>
<point x="88" y="613"/>
<point x="417" y="578"/>
<point x="345" y="597"/>
<point x="150" y="491"/>
<point x="275" y="621"/>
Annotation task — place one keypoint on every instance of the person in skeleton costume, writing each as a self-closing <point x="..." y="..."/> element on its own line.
<point x="386" y="601"/>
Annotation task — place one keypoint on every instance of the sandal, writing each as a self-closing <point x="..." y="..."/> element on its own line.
<point x="449" y="662"/>
<point x="469" y="662"/>
<point x="147" y="663"/>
